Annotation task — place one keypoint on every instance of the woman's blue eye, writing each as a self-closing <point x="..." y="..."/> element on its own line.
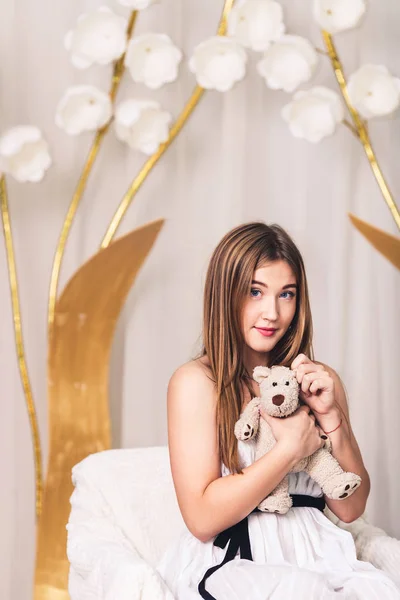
<point x="256" y="292"/>
<point x="291" y="294"/>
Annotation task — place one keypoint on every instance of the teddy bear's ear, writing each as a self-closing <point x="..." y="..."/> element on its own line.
<point x="260" y="373"/>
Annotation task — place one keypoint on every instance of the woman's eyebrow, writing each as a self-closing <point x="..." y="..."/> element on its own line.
<point x="285" y="287"/>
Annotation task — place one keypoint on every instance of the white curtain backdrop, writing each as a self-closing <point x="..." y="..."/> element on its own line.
<point x="234" y="162"/>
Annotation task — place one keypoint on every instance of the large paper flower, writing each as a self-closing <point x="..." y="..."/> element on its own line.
<point x="256" y="23"/>
<point x="83" y="108"/>
<point x="314" y="114"/>
<point x="24" y="153"/>
<point x="137" y="4"/>
<point x="218" y="63"/>
<point x="99" y="37"/>
<point x="338" y="15"/>
<point x="142" y="124"/>
<point x="373" y="91"/>
<point x="153" y="59"/>
<point x="288" y="63"/>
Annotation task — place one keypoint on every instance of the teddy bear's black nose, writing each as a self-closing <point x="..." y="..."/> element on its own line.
<point x="278" y="399"/>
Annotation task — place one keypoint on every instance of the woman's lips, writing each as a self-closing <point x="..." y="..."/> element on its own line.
<point x="265" y="331"/>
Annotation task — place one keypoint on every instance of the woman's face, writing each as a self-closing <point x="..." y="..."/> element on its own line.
<point x="268" y="310"/>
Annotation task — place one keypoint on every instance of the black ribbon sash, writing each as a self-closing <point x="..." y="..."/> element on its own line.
<point x="237" y="539"/>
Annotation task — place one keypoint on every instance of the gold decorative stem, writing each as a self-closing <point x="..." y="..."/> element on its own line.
<point x="361" y="128"/>
<point x="23" y="369"/>
<point x="55" y="274"/>
<point x="140" y="178"/>
<point x="150" y="163"/>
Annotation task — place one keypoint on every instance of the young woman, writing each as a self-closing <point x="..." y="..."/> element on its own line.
<point x="257" y="312"/>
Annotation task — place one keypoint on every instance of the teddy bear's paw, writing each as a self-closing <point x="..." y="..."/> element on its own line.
<point x="244" y="431"/>
<point x="342" y="486"/>
<point x="275" y="504"/>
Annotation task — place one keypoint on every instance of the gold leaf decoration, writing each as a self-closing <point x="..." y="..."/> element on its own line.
<point x="385" y="243"/>
<point x="79" y="423"/>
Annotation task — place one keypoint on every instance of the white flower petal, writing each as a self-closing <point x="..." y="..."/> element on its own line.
<point x="218" y="63"/>
<point x="314" y="114"/>
<point x="373" y="91"/>
<point x="142" y="124"/>
<point x="338" y="15"/>
<point x="99" y="37"/>
<point x="24" y="153"/>
<point x="256" y="23"/>
<point x="153" y="59"/>
<point x="14" y="139"/>
<point x="35" y="177"/>
<point x="288" y="63"/>
<point x="79" y="62"/>
<point x="83" y="108"/>
<point x="137" y="4"/>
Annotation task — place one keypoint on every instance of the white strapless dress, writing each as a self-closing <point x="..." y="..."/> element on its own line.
<point x="301" y="555"/>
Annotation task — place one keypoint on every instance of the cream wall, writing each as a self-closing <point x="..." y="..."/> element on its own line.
<point x="234" y="162"/>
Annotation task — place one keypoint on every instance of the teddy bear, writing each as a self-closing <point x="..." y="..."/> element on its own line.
<point x="279" y="392"/>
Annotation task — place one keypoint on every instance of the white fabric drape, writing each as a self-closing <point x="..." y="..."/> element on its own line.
<point x="234" y="162"/>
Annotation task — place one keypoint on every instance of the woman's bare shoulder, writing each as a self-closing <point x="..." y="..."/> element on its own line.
<point x="191" y="387"/>
<point x="195" y="371"/>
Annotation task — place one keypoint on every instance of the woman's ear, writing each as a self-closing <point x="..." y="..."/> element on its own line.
<point x="260" y="373"/>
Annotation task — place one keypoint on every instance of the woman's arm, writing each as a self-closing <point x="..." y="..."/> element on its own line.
<point x="346" y="451"/>
<point x="322" y="389"/>
<point x="208" y="502"/>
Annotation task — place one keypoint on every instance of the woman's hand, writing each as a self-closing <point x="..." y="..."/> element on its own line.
<point x="297" y="433"/>
<point x="317" y="388"/>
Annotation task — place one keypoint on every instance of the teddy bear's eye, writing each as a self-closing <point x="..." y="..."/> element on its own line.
<point x="287" y="383"/>
<point x="274" y="383"/>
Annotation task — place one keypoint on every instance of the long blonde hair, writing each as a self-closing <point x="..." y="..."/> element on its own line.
<point x="228" y="282"/>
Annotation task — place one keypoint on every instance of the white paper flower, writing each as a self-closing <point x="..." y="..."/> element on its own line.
<point x="256" y="23"/>
<point x="24" y="153"/>
<point x="338" y="15"/>
<point x="218" y="63"/>
<point x="288" y="63"/>
<point x="373" y="91"/>
<point x="142" y="124"/>
<point x="83" y="108"/>
<point x="99" y="37"/>
<point x="137" y="4"/>
<point x="153" y="59"/>
<point x="314" y="114"/>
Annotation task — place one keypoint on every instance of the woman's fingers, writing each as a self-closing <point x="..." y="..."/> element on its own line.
<point x="312" y="382"/>
<point x="300" y="359"/>
<point x="321" y="384"/>
<point x="310" y="367"/>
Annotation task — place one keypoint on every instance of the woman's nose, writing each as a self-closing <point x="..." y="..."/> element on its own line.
<point x="270" y="311"/>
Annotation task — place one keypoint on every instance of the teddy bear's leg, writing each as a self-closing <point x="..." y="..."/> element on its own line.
<point x="247" y="426"/>
<point x="326" y="471"/>
<point x="279" y="500"/>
